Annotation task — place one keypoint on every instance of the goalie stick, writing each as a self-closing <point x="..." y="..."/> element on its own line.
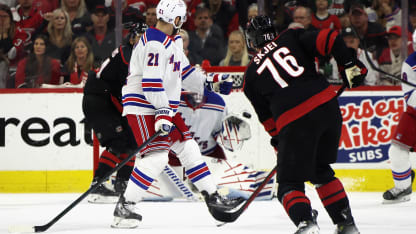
<point x="42" y="228"/>
<point x="230" y="216"/>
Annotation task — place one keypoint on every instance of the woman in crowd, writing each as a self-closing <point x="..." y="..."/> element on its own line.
<point x="78" y="14"/>
<point x="80" y="62"/>
<point x="37" y="68"/>
<point x="11" y="38"/>
<point x="237" y="54"/>
<point x="60" y="35"/>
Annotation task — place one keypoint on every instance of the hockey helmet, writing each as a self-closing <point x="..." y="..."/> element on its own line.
<point x="235" y="130"/>
<point x="135" y="29"/>
<point x="260" y="31"/>
<point x="168" y="10"/>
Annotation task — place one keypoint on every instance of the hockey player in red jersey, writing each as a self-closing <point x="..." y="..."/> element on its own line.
<point x="301" y="113"/>
<point x="102" y="108"/>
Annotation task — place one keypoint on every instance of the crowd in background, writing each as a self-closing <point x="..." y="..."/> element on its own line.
<point x="59" y="41"/>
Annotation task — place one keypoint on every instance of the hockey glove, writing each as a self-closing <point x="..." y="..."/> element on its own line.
<point x="222" y="83"/>
<point x="354" y="73"/>
<point x="163" y="120"/>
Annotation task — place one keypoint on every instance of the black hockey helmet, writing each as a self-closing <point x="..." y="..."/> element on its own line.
<point x="260" y="31"/>
<point x="135" y="29"/>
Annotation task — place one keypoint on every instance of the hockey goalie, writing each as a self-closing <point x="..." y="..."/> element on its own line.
<point x="212" y="128"/>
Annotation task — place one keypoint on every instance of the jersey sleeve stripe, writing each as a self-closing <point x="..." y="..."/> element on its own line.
<point x="270" y="127"/>
<point x="186" y="72"/>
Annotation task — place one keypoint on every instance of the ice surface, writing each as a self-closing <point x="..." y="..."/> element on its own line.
<point x="182" y="217"/>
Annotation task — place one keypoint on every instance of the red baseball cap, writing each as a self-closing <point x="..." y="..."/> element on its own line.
<point x="395" y="30"/>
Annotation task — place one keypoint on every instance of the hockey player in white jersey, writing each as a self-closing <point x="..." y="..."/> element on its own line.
<point x="158" y="71"/>
<point x="404" y="139"/>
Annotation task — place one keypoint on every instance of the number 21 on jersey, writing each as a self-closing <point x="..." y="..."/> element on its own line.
<point x="286" y="61"/>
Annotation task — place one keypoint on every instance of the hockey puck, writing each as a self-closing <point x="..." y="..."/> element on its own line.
<point x="246" y="115"/>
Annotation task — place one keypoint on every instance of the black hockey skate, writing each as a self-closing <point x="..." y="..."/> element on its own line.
<point x="348" y="226"/>
<point x="396" y="195"/>
<point x="218" y="205"/>
<point x="125" y="215"/>
<point x="103" y="195"/>
<point x="309" y="226"/>
<point x="120" y="186"/>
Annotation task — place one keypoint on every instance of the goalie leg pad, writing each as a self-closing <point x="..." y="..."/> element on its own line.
<point x="144" y="172"/>
<point x="195" y="168"/>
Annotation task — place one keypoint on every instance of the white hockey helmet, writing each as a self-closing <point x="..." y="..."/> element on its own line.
<point x="235" y="130"/>
<point x="168" y="10"/>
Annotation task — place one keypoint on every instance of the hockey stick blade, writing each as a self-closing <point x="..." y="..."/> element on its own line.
<point x="230" y="216"/>
<point x="45" y="227"/>
<point x="21" y="229"/>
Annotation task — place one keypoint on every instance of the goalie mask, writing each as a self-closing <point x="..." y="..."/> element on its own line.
<point x="235" y="130"/>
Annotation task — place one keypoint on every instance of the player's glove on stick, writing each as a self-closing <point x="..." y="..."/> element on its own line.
<point x="163" y="120"/>
<point x="222" y="83"/>
<point x="354" y="73"/>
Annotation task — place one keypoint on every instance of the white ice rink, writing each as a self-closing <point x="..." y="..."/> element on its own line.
<point x="262" y="217"/>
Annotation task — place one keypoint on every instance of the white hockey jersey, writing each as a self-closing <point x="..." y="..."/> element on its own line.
<point x="205" y="121"/>
<point x="409" y="74"/>
<point x="157" y="72"/>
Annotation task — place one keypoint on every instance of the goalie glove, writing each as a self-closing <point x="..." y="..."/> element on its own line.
<point x="222" y="83"/>
<point x="354" y="73"/>
<point x="163" y="120"/>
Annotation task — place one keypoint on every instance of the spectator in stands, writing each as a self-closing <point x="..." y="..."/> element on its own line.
<point x="208" y="39"/>
<point x="37" y="68"/>
<point x="9" y="3"/>
<point x="303" y="15"/>
<point x="370" y="33"/>
<point x="12" y="38"/>
<point x="151" y="16"/>
<point x="391" y="58"/>
<point x="252" y="11"/>
<point x="80" y="62"/>
<point x="4" y="71"/>
<point x="388" y="13"/>
<point x="412" y="19"/>
<point x="101" y="38"/>
<point x="244" y="9"/>
<point x="322" y="19"/>
<point x="193" y="57"/>
<point x="129" y="15"/>
<point x="279" y="14"/>
<point x="223" y="15"/>
<point x="29" y="18"/>
<point x="344" y="20"/>
<point x="237" y="54"/>
<point x="60" y="36"/>
<point x="79" y="15"/>
<point x="352" y="41"/>
<point x="45" y="5"/>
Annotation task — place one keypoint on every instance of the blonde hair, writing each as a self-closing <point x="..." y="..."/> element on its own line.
<point x="244" y="59"/>
<point x="67" y="33"/>
<point x="82" y="8"/>
<point x="70" y="63"/>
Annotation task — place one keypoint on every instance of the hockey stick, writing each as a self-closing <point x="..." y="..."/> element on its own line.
<point x="183" y="188"/>
<point x="375" y="68"/>
<point x="42" y="228"/>
<point x="232" y="215"/>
